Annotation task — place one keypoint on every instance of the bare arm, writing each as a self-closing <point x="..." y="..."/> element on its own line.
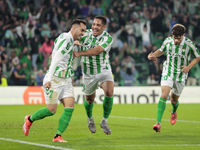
<point x="186" y="69"/>
<point x="91" y="52"/>
<point x="153" y="56"/>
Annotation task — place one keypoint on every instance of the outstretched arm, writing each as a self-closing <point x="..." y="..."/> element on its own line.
<point x="153" y="56"/>
<point x="91" y="52"/>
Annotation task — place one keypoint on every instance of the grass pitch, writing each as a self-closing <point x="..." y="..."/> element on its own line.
<point x="131" y="127"/>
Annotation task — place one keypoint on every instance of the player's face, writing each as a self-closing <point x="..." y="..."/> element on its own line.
<point x="80" y="30"/>
<point x="97" y="27"/>
<point x="178" y="39"/>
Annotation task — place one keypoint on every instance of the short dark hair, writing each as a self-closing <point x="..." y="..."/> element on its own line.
<point x="102" y="18"/>
<point x="178" y="30"/>
<point x="78" y="21"/>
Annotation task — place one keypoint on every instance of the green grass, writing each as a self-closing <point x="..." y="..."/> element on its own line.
<point x="131" y="131"/>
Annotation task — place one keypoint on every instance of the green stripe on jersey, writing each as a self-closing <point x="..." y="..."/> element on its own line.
<point x="90" y="58"/>
<point x="91" y="65"/>
<point x="109" y="40"/>
<point x="85" y="65"/>
<point x="98" y="63"/>
<point x="56" y="69"/>
<point x="61" y="43"/>
<point x="175" y="62"/>
<point x="56" y="40"/>
<point x="104" y="45"/>
<point x="170" y="60"/>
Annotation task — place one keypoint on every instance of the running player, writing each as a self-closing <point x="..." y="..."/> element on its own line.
<point x="57" y="84"/>
<point x="179" y="50"/>
<point x="97" y="70"/>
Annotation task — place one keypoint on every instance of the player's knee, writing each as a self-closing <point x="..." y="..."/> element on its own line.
<point x="90" y="101"/>
<point x="53" y="110"/>
<point x="164" y="95"/>
<point x="173" y="101"/>
<point x="109" y="93"/>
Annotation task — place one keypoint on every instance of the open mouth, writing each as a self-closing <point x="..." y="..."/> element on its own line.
<point x="95" y="31"/>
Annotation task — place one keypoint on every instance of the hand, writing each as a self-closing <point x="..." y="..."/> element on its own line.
<point x="75" y="54"/>
<point x="23" y="76"/>
<point x="77" y="43"/>
<point x="47" y="85"/>
<point x="185" y="69"/>
<point x="152" y="57"/>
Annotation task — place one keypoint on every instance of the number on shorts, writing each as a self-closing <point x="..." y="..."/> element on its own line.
<point x="51" y="92"/>
<point x="165" y="77"/>
<point x="84" y="87"/>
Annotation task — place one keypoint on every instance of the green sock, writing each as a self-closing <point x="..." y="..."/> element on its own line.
<point x="88" y="108"/>
<point x="161" y="109"/>
<point x="64" y="120"/>
<point x="107" y="106"/>
<point x="41" y="113"/>
<point x="174" y="107"/>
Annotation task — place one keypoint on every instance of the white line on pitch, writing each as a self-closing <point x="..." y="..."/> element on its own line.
<point x="36" y="144"/>
<point x="153" y="119"/>
<point x="159" y="145"/>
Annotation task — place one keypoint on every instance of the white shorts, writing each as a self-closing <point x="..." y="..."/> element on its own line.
<point x="60" y="88"/>
<point x="176" y="86"/>
<point x="91" y="82"/>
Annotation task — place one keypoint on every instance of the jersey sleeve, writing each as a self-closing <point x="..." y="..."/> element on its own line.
<point x="163" y="48"/>
<point x="106" y="42"/>
<point x="195" y="52"/>
<point x="63" y="48"/>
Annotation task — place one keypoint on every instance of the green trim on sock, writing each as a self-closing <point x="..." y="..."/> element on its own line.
<point x="64" y="120"/>
<point x="160" y="109"/>
<point x="175" y="107"/>
<point x="41" y="113"/>
<point x="107" y="106"/>
<point x="88" y="108"/>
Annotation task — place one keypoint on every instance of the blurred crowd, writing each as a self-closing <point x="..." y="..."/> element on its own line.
<point x="28" y="29"/>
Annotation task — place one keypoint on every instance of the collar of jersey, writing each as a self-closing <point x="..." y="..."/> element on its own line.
<point x="182" y="42"/>
<point x="98" y="37"/>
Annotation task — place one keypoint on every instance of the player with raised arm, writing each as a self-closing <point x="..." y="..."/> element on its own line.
<point x="96" y="44"/>
<point x="179" y="50"/>
<point x="57" y="84"/>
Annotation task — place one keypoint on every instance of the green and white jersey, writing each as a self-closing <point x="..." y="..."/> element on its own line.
<point x="177" y="56"/>
<point x="95" y="64"/>
<point x="62" y="57"/>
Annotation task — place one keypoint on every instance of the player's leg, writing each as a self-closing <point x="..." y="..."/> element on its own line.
<point x="108" y="88"/>
<point x="161" y="107"/>
<point x="88" y="104"/>
<point x="175" y="94"/>
<point x="67" y="98"/>
<point x="51" y="98"/>
<point x="175" y="103"/>
<point x="90" y="84"/>
<point x="65" y="118"/>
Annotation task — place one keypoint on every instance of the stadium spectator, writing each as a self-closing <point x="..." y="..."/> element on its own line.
<point x="128" y="75"/>
<point x="3" y="80"/>
<point x="15" y="76"/>
<point x="39" y="78"/>
<point x="145" y="32"/>
<point x="4" y="58"/>
<point x="46" y="50"/>
<point x="34" y="51"/>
